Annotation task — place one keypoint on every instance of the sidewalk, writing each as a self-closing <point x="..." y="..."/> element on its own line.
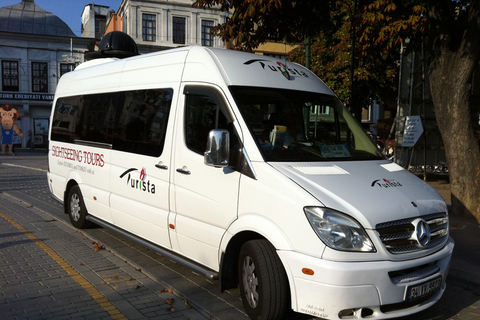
<point x="69" y="276"/>
<point x="465" y="265"/>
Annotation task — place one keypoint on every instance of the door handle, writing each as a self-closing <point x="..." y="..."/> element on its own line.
<point x="184" y="170"/>
<point x="161" y="166"/>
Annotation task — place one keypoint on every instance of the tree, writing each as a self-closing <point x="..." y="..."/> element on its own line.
<point x="448" y="28"/>
<point x="252" y="22"/>
<point x="375" y="68"/>
<point x="454" y="28"/>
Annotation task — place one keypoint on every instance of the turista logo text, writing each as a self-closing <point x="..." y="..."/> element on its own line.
<point x="279" y="67"/>
<point x="384" y="183"/>
<point x="138" y="182"/>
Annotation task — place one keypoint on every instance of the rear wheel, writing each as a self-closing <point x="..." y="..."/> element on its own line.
<point x="77" y="212"/>
<point x="263" y="282"/>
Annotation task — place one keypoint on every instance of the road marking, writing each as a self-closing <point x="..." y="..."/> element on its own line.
<point x="24" y="167"/>
<point x="89" y="288"/>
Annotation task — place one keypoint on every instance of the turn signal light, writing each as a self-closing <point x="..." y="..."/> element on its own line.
<point x="308" y="272"/>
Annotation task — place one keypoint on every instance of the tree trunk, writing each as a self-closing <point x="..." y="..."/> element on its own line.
<point x="450" y="84"/>
<point x="456" y="52"/>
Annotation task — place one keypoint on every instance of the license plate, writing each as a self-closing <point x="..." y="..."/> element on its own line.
<point x="424" y="289"/>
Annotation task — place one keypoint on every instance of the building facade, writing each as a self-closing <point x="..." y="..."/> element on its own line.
<point x="94" y="20"/>
<point x="36" y="49"/>
<point x="163" y="24"/>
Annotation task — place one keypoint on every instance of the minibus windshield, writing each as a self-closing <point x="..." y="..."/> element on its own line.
<point x="291" y="125"/>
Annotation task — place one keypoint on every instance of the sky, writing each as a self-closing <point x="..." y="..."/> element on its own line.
<point x="69" y="11"/>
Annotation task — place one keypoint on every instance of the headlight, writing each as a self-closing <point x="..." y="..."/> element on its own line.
<point x="338" y="231"/>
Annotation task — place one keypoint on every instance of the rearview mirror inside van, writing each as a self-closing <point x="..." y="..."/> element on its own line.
<point x="218" y="145"/>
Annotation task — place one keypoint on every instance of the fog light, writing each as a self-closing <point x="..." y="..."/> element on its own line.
<point x="348" y="314"/>
<point x="355" y="313"/>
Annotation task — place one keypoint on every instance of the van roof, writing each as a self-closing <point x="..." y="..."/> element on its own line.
<point x="189" y="64"/>
<point x="248" y="69"/>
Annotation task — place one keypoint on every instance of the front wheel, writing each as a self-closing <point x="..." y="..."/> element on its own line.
<point x="77" y="212"/>
<point x="263" y="282"/>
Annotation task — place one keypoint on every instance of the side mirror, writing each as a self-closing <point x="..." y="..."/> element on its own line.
<point x="218" y="148"/>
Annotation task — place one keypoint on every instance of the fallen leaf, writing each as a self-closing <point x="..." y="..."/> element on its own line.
<point x="169" y="301"/>
<point x="172" y="309"/>
<point x="167" y="290"/>
<point x="98" y="246"/>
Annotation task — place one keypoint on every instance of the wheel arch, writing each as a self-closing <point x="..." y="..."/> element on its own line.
<point x="249" y="227"/>
<point x="229" y="260"/>
<point x="69" y="185"/>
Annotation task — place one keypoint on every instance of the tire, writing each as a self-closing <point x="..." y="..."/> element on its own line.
<point x="263" y="282"/>
<point x="77" y="212"/>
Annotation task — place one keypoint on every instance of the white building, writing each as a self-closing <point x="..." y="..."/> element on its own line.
<point x="94" y="19"/>
<point x="162" y="24"/>
<point x="36" y="49"/>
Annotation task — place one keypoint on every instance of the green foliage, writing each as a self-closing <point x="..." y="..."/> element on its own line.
<point x="380" y="25"/>
<point x="252" y="22"/>
<point x="376" y="53"/>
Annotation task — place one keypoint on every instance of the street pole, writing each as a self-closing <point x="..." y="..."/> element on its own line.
<point x="355" y="107"/>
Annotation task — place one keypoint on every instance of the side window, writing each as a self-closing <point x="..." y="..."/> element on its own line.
<point x="87" y="118"/>
<point x="205" y="110"/>
<point x="130" y="121"/>
<point x="96" y="123"/>
<point x="141" y="121"/>
<point x="65" y="119"/>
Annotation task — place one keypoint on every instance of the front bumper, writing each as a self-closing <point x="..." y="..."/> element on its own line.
<point x="351" y="290"/>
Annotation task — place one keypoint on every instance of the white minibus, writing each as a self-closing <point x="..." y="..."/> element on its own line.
<point x="251" y="171"/>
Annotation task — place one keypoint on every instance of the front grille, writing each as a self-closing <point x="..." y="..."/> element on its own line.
<point x="406" y="304"/>
<point x="400" y="236"/>
<point x="413" y="274"/>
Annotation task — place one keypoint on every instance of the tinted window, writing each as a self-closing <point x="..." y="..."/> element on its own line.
<point x="141" y="118"/>
<point x="66" y="118"/>
<point x="96" y="118"/>
<point x="204" y="110"/>
<point x="132" y="121"/>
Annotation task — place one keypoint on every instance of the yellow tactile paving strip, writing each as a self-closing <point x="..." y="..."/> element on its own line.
<point x="89" y="288"/>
